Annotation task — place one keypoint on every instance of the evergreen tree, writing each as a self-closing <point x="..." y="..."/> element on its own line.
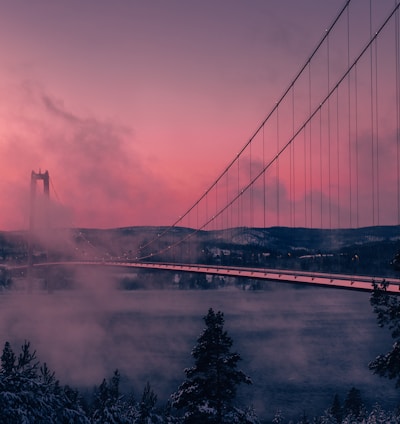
<point x="7" y="360"/>
<point x="304" y="419"/>
<point x="210" y="387"/>
<point x="278" y="417"/>
<point x="108" y="406"/>
<point x="31" y="394"/>
<point x="72" y="410"/>
<point x="168" y="417"/>
<point x="353" y="403"/>
<point x="336" y="409"/>
<point x="387" y="308"/>
<point x="379" y="416"/>
<point x="20" y="399"/>
<point x="146" y="407"/>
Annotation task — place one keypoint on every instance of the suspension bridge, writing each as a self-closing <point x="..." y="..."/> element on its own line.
<point x="326" y="158"/>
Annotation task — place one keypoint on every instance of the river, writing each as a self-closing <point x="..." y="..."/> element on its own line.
<point x="299" y="345"/>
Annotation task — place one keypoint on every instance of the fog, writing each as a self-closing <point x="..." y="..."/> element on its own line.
<point x="299" y="345"/>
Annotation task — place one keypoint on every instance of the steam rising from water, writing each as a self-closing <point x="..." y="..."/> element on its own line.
<point x="300" y="346"/>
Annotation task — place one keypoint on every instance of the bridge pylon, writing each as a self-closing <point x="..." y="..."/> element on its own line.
<point x="35" y="177"/>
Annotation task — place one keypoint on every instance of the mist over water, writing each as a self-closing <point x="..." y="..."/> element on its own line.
<point x="300" y="346"/>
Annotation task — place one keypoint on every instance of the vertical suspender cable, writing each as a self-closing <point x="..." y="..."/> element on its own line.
<point x="311" y="161"/>
<point x="197" y="217"/>
<point x="397" y="76"/>
<point x="251" y="188"/>
<point x="206" y="199"/>
<point x="228" y="224"/>
<point x="291" y="160"/>
<point x="377" y="133"/>
<point x="372" y="118"/>
<point x="238" y="190"/>
<point x="264" y="176"/>
<point x="305" y="178"/>
<point x="356" y="154"/>
<point x="329" y="138"/>
<point x="277" y="167"/>
<point x="337" y="159"/>
<point x="216" y="208"/>
<point x="320" y="164"/>
<point x="349" y="123"/>
<point x="293" y="199"/>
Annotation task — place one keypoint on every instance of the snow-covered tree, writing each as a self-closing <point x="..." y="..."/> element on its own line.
<point x="109" y="407"/>
<point x="278" y="417"/>
<point x="146" y="412"/>
<point x="353" y="404"/>
<point x="336" y="409"/>
<point x="379" y="416"/>
<point x="72" y="411"/>
<point x="304" y="419"/>
<point x="207" y="394"/>
<point x="31" y="394"/>
<point x="387" y="308"/>
<point x="21" y="394"/>
<point x="168" y="416"/>
<point x="7" y="360"/>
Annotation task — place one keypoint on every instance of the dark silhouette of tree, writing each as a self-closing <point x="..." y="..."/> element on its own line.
<point x="73" y="411"/>
<point x="387" y="308"/>
<point x="210" y="387"/>
<point x="336" y="409"/>
<point x="8" y="359"/>
<point x="278" y="417"/>
<point x="353" y="403"/>
<point x="304" y="419"/>
<point x="146" y="406"/>
<point x="108" y="406"/>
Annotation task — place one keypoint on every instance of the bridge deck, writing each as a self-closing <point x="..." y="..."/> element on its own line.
<point x="352" y="282"/>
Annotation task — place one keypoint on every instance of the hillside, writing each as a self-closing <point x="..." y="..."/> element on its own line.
<point x="369" y="250"/>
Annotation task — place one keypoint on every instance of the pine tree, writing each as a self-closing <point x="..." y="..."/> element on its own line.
<point x="210" y="387"/>
<point x="20" y="399"/>
<point x="146" y="406"/>
<point x="353" y="403"/>
<point x="8" y="359"/>
<point x="72" y="410"/>
<point x="108" y="405"/>
<point x="304" y="419"/>
<point x="278" y="417"/>
<point x="31" y="394"/>
<point x="336" y="409"/>
<point x="387" y="308"/>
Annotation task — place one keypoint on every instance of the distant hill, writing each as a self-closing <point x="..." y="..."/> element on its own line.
<point x="369" y="250"/>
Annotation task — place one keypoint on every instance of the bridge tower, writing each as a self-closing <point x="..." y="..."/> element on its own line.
<point x="36" y="176"/>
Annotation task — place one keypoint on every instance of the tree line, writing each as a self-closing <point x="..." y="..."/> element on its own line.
<point x="30" y="392"/>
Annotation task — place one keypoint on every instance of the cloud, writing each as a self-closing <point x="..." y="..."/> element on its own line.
<point x="95" y="170"/>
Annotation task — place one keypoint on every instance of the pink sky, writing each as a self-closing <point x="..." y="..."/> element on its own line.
<point x="135" y="107"/>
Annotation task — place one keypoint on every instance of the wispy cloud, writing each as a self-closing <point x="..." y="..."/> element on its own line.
<point x="95" y="169"/>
